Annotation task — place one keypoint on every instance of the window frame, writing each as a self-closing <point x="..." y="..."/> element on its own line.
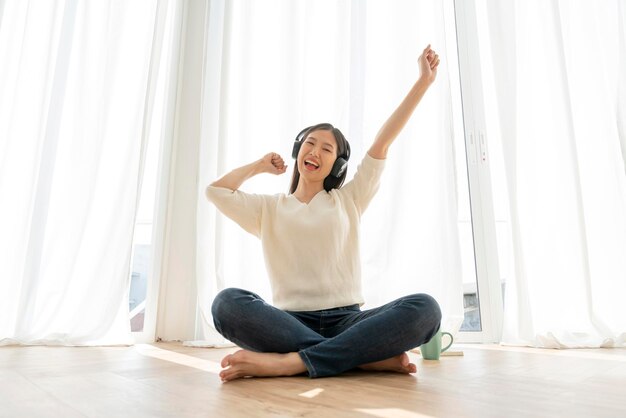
<point x="479" y="177"/>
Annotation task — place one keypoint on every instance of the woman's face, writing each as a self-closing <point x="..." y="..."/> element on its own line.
<point x="317" y="155"/>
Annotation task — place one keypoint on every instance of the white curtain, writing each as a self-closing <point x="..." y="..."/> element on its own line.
<point x="76" y="82"/>
<point x="559" y="80"/>
<point x="274" y="67"/>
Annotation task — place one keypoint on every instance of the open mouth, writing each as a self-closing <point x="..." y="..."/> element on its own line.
<point x="311" y="165"/>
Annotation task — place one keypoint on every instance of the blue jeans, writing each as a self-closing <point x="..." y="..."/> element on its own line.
<point x="329" y="341"/>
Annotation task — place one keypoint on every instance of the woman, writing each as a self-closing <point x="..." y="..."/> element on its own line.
<point x="310" y="241"/>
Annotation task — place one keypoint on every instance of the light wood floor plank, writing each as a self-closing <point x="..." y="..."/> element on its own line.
<point x="171" y="380"/>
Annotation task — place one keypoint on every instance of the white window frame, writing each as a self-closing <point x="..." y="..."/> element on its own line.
<point x="481" y="200"/>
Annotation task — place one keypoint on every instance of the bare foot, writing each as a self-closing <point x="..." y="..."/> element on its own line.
<point x="399" y="364"/>
<point x="248" y="363"/>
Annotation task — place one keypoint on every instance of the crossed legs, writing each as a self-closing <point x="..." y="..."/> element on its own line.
<point x="322" y="343"/>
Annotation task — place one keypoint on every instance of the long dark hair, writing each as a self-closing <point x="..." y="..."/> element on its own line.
<point x="343" y="151"/>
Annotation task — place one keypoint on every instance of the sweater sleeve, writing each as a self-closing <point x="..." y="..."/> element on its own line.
<point x="243" y="208"/>
<point x="362" y="188"/>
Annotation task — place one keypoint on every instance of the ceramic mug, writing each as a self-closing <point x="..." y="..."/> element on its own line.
<point x="432" y="349"/>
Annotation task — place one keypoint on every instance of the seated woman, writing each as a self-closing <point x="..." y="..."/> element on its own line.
<point x="310" y="240"/>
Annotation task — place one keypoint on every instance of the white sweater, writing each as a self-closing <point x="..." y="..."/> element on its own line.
<point x="311" y="250"/>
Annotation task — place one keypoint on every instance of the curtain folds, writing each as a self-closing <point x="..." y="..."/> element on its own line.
<point x="559" y="78"/>
<point x="272" y="69"/>
<point x="75" y="93"/>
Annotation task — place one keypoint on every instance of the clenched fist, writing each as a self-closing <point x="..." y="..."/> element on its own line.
<point x="273" y="163"/>
<point x="428" y="62"/>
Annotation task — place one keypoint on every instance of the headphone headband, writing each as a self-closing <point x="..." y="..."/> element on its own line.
<point x="303" y="133"/>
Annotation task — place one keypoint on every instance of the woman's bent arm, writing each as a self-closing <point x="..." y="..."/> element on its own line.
<point x="270" y="163"/>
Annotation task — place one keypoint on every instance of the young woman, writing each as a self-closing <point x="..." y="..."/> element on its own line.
<point x="310" y="240"/>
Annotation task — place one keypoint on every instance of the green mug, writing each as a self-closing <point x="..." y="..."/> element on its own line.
<point x="432" y="349"/>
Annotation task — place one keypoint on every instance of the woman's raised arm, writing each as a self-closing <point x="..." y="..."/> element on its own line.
<point x="428" y="63"/>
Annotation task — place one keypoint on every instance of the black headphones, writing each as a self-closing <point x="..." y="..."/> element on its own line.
<point x="341" y="163"/>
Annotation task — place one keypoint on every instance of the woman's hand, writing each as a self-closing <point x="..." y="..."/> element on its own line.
<point x="273" y="163"/>
<point x="428" y="62"/>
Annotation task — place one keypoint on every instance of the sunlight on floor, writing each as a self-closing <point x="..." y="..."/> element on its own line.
<point x="312" y="393"/>
<point x="178" y="358"/>
<point x="392" y="413"/>
<point x="612" y="354"/>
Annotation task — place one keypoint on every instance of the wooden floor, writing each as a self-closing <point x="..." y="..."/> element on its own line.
<point x="169" y="380"/>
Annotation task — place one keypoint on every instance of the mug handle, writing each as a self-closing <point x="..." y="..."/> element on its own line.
<point x="451" y="340"/>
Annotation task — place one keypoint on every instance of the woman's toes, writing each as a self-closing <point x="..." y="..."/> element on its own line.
<point x="404" y="359"/>
<point x="226" y="360"/>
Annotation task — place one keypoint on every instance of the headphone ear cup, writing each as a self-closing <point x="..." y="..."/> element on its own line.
<point x="339" y="167"/>
<point x="296" y="149"/>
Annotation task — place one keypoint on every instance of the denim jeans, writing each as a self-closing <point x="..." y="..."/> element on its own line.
<point x="329" y="341"/>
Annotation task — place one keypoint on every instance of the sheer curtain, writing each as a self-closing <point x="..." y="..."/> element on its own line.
<point x="275" y="67"/>
<point x="75" y="98"/>
<point x="559" y="81"/>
